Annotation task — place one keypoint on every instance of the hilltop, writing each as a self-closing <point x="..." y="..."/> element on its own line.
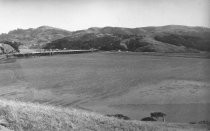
<point x="35" y="117"/>
<point x="35" y="37"/>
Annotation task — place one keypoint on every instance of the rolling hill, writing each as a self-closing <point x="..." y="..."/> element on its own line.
<point x="171" y="38"/>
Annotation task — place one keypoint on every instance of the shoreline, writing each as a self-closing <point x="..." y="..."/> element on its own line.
<point x="203" y="55"/>
<point x="50" y="53"/>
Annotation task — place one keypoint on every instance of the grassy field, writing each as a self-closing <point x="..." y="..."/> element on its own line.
<point x="21" y="116"/>
<point x="128" y="83"/>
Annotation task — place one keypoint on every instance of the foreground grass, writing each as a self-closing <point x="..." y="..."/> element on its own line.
<point x="20" y="116"/>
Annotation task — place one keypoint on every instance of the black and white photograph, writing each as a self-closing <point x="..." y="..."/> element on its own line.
<point x="104" y="65"/>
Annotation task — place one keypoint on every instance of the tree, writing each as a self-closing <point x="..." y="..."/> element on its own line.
<point x="157" y="115"/>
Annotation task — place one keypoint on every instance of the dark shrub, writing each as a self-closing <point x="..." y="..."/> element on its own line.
<point x="148" y="119"/>
<point x="119" y="116"/>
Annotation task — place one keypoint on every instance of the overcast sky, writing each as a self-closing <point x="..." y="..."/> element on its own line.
<point x="81" y="14"/>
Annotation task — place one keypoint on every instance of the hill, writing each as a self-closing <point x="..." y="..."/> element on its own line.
<point x="34" y="38"/>
<point x="21" y="116"/>
<point x="171" y="38"/>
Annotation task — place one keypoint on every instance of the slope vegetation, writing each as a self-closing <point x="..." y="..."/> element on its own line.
<point x="20" y="116"/>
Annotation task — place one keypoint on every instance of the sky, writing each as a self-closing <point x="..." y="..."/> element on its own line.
<point x="82" y="14"/>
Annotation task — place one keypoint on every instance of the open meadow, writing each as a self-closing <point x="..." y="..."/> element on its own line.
<point x="113" y="82"/>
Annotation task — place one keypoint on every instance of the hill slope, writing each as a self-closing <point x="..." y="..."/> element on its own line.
<point x="34" y="117"/>
<point x="35" y="38"/>
<point x="172" y="38"/>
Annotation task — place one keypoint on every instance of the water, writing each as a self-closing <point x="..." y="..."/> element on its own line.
<point x="128" y="83"/>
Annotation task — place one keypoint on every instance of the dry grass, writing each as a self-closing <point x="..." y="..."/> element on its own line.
<point x="22" y="116"/>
